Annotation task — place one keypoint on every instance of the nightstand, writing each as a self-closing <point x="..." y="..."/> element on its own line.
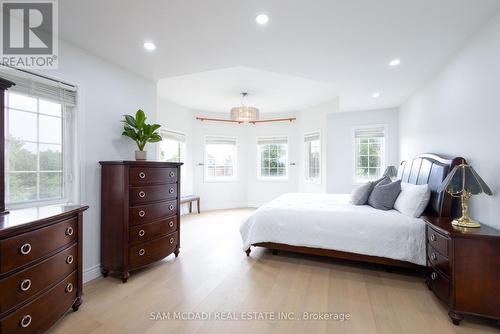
<point x="463" y="268"/>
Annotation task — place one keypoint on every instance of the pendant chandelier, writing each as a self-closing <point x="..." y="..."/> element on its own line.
<point x="244" y="113"/>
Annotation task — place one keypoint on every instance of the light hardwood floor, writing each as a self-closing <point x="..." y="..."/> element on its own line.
<point x="212" y="274"/>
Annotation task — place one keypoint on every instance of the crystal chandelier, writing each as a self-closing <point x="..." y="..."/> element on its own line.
<point x="244" y="113"/>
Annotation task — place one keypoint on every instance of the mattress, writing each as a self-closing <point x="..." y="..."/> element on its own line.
<point x="329" y="221"/>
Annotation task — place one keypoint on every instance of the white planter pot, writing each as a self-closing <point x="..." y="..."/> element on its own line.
<point x="141" y="155"/>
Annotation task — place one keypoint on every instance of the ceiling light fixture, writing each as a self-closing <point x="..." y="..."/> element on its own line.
<point x="395" y="62"/>
<point x="262" y="19"/>
<point x="244" y="113"/>
<point x="150" y="46"/>
<point x="376" y="95"/>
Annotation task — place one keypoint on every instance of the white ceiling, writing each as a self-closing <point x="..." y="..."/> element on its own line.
<point x="346" y="43"/>
<point x="219" y="90"/>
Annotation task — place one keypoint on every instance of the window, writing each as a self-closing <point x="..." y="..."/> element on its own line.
<point x="312" y="156"/>
<point x="272" y="157"/>
<point x="369" y="149"/>
<point x="36" y="167"/>
<point x="173" y="146"/>
<point x="220" y="158"/>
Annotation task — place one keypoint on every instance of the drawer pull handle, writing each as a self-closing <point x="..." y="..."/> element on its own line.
<point x="69" y="259"/>
<point x="433" y="257"/>
<point x="142" y="175"/>
<point x="26" y="321"/>
<point x="69" y="231"/>
<point x="171" y="174"/>
<point x="171" y="190"/>
<point x="171" y="224"/>
<point x="433" y="237"/>
<point x="142" y="233"/>
<point x="171" y="207"/>
<point x="69" y="287"/>
<point x="25" y="285"/>
<point x="142" y="194"/>
<point x="142" y="213"/>
<point x="434" y="275"/>
<point x="171" y="240"/>
<point x="25" y="249"/>
<point x="142" y="252"/>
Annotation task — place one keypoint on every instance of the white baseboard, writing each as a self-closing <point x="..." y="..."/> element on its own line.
<point x="92" y="273"/>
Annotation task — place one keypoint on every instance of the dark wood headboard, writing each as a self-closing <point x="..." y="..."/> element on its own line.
<point x="431" y="169"/>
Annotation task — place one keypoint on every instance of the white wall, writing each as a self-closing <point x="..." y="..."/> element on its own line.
<point x="105" y="93"/>
<point x="174" y="117"/>
<point x="309" y="120"/>
<point x="222" y="194"/>
<point x="340" y="143"/>
<point x="458" y="113"/>
<point x="261" y="191"/>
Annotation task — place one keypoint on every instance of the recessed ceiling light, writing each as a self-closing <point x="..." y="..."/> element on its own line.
<point x="376" y="95"/>
<point x="395" y="62"/>
<point x="262" y="19"/>
<point x="150" y="46"/>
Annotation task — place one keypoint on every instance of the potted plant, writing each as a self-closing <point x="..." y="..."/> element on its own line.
<point x="139" y="131"/>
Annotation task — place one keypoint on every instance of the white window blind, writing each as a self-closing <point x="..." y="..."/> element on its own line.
<point x="375" y="132"/>
<point x="213" y="140"/>
<point x="172" y="135"/>
<point x="272" y="140"/>
<point x="34" y="85"/>
<point x="311" y="137"/>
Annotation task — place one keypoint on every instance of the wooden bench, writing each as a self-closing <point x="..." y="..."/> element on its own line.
<point x="190" y="199"/>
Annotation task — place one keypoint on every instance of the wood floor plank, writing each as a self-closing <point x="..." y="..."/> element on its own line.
<point x="212" y="274"/>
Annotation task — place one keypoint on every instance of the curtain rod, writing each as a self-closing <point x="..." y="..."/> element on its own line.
<point x="39" y="75"/>
<point x="291" y="119"/>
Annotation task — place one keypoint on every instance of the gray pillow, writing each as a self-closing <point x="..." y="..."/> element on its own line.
<point x="360" y="195"/>
<point x="384" y="195"/>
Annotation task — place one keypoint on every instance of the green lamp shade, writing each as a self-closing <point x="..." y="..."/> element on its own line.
<point x="463" y="178"/>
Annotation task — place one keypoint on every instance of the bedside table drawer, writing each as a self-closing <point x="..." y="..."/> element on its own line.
<point x="438" y="261"/>
<point x="439" y="284"/>
<point x="438" y="241"/>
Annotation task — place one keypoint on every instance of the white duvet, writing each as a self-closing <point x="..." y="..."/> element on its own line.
<point x="329" y="221"/>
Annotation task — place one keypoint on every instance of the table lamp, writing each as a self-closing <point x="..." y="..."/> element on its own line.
<point x="391" y="172"/>
<point x="463" y="182"/>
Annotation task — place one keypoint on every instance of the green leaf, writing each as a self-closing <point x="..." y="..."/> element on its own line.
<point x="140" y="118"/>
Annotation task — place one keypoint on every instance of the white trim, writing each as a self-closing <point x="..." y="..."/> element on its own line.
<point x="383" y="164"/>
<point x="287" y="162"/>
<point x="92" y="273"/>
<point x="319" y="179"/>
<point x="233" y="178"/>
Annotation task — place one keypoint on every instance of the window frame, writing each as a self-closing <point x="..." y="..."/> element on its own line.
<point x="287" y="162"/>
<point x="68" y="151"/>
<point x="234" y="177"/>
<point x="162" y="131"/>
<point x="383" y="158"/>
<point x="307" y="179"/>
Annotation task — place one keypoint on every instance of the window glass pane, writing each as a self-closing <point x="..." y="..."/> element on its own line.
<point x="273" y="160"/>
<point x="22" y="102"/>
<point x="22" y="187"/>
<point x="22" y="125"/>
<point x="21" y="156"/>
<point x="50" y="129"/>
<point x="50" y="157"/>
<point x="50" y="185"/>
<point x="220" y="158"/>
<point x="50" y="108"/>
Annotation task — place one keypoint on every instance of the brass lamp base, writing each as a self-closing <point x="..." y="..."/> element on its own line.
<point x="465" y="222"/>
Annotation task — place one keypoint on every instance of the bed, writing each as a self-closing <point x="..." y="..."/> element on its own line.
<point x="328" y="225"/>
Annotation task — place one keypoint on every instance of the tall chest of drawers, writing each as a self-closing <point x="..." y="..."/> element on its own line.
<point x="139" y="214"/>
<point x="463" y="268"/>
<point x="40" y="267"/>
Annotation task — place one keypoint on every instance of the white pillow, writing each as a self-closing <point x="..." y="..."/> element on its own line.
<point x="413" y="199"/>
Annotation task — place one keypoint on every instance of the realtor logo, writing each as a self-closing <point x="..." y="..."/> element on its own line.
<point x="29" y="34"/>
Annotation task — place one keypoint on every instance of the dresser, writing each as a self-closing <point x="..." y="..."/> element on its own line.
<point x="40" y="267"/>
<point x="463" y="268"/>
<point x="139" y="214"/>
